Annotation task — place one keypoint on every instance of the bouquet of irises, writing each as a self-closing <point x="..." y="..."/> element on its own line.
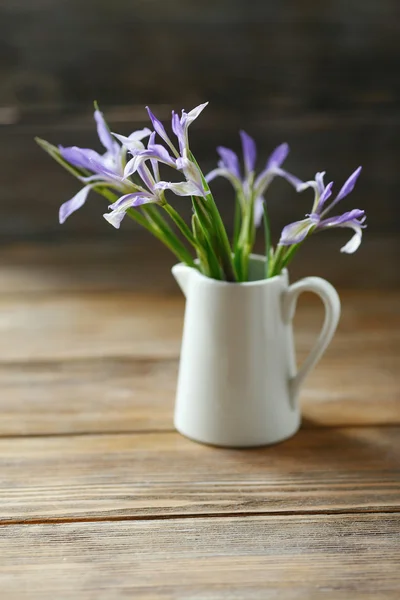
<point x="127" y="174"/>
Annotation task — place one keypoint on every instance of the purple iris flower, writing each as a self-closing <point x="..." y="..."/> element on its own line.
<point x="107" y="169"/>
<point x="193" y="186"/>
<point x="247" y="185"/>
<point x="153" y="190"/>
<point x="317" y="219"/>
<point x="180" y="125"/>
<point x="160" y="130"/>
<point x="152" y="152"/>
<point x="157" y="152"/>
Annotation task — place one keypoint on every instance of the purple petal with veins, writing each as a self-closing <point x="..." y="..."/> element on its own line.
<point x="297" y="232"/>
<point x="326" y="193"/>
<point x="230" y="160"/>
<point x="178" y="130"/>
<point x="352" y="215"/>
<point x="185" y="188"/>
<point x="133" y="141"/>
<point x="98" y="166"/>
<point x="145" y="176"/>
<point x="220" y="172"/>
<point x="188" y="118"/>
<point x="266" y="176"/>
<point x="348" y="185"/>
<point x="74" y="204"/>
<point x="354" y="243"/>
<point x="249" y="151"/>
<point x="292" y="179"/>
<point x="258" y="210"/>
<point x="132" y="199"/>
<point x="140" y="134"/>
<point x="154" y="151"/>
<point x="278" y="156"/>
<point x="104" y="133"/>
<point x="132" y="166"/>
<point x="79" y="157"/>
<point x="319" y="179"/>
<point x="191" y="173"/>
<point x="158" y="126"/>
<point x="119" y="208"/>
<point x="160" y="153"/>
<point x="153" y="161"/>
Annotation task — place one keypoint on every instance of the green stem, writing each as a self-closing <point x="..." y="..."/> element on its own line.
<point x="289" y="255"/>
<point x="209" y="264"/>
<point x="267" y="236"/>
<point x="220" y="231"/>
<point x="54" y="152"/>
<point x="151" y="220"/>
<point x="237" y="222"/>
<point x="180" y="223"/>
<point x="275" y="267"/>
<point x="207" y="238"/>
<point x="223" y="241"/>
<point x="160" y="229"/>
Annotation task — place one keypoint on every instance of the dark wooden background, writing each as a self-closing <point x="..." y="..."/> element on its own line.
<point x="323" y="76"/>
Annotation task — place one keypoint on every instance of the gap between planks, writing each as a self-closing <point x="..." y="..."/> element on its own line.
<point x="296" y="557"/>
<point x="155" y="475"/>
<point x="172" y="430"/>
<point x="384" y="510"/>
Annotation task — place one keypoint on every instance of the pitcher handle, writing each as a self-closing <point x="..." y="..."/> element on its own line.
<point x="331" y="300"/>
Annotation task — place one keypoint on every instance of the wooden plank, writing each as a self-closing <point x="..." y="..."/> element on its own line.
<point x="353" y="389"/>
<point x="101" y="325"/>
<point x="291" y="557"/>
<point x="108" y="362"/>
<point x="164" y="474"/>
<point x="76" y="326"/>
<point x="143" y="264"/>
<point x="138" y="395"/>
<point x="87" y="396"/>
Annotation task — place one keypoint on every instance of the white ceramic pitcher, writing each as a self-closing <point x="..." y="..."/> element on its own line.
<point x="238" y="385"/>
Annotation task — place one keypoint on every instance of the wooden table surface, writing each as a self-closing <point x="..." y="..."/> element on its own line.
<point x="100" y="498"/>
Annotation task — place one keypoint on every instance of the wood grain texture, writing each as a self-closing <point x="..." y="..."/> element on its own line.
<point x="105" y="395"/>
<point x="295" y="558"/>
<point x="73" y="363"/>
<point x="42" y="327"/>
<point x="90" y="332"/>
<point x="164" y="474"/>
<point x="130" y="394"/>
<point x="141" y="264"/>
<point x="76" y="326"/>
<point x="139" y="511"/>
<point x="233" y="69"/>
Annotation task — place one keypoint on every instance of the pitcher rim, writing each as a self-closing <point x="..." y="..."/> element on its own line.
<point x="258" y="282"/>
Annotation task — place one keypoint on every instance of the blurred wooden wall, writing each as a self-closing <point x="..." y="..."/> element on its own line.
<point x="323" y="76"/>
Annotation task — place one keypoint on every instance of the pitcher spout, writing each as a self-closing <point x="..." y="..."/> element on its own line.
<point x="182" y="274"/>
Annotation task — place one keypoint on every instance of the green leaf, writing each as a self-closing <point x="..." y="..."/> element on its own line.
<point x="267" y="236"/>
<point x="221" y="237"/>
<point x="206" y="235"/>
<point x="180" y="223"/>
<point x="160" y="228"/>
<point x="237" y="222"/>
<point x="208" y="262"/>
